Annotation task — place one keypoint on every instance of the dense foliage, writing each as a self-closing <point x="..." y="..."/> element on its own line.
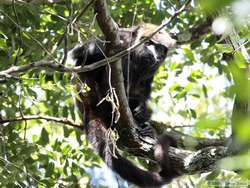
<point x="193" y="90"/>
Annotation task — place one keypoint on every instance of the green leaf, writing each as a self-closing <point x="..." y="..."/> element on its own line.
<point x="31" y="92"/>
<point x="66" y="131"/>
<point x="212" y="6"/>
<point x="181" y="94"/>
<point x="210" y="123"/>
<point x="225" y="48"/>
<point x="44" y="139"/>
<point x="240" y="60"/>
<point x="204" y="89"/>
<point x="189" y="54"/>
<point x="50" y="169"/>
<point x="175" y="87"/>
<point x="2" y="43"/>
<point x="66" y="165"/>
<point x="193" y="113"/>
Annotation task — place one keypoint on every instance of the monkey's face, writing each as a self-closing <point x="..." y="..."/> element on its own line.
<point x="158" y="51"/>
<point x="146" y="59"/>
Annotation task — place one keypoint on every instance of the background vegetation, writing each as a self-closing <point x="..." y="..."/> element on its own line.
<point x="193" y="91"/>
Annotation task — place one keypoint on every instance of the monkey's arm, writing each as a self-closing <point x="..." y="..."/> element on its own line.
<point x="87" y="54"/>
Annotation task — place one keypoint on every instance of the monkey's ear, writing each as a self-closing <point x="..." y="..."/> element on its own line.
<point x="132" y="34"/>
<point x="138" y="32"/>
<point x="127" y="35"/>
<point x="136" y="29"/>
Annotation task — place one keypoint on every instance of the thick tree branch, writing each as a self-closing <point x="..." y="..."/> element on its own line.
<point x="203" y="160"/>
<point x="186" y="141"/>
<point x="110" y="30"/>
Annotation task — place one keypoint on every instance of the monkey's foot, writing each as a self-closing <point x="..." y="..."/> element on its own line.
<point x="147" y="133"/>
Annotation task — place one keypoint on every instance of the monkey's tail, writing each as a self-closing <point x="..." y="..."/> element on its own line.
<point x="126" y="169"/>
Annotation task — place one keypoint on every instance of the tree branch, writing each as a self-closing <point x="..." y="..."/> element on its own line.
<point x="42" y="117"/>
<point x="110" y="30"/>
<point x="45" y="64"/>
<point x="185" y="141"/>
<point x="8" y="2"/>
<point x="183" y="161"/>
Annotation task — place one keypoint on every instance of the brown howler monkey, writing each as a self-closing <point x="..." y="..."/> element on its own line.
<point x="139" y="67"/>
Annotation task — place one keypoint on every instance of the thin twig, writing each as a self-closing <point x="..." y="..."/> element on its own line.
<point x="77" y="17"/>
<point x="42" y="117"/>
<point x="64" y="37"/>
<point x="19" y="168"/>
<point x="19" y="33"/>
<point x="20" y="109"/>
<point x="30" y="35"/>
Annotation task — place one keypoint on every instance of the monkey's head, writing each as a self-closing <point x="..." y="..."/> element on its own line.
<point x="147" y="57"/>
<point x="157" y="45"/>
<point x="136" y="33"/>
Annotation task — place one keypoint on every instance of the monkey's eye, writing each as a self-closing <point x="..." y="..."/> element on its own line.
<point x="149" y="42"/>
<point x="161" y="49"/>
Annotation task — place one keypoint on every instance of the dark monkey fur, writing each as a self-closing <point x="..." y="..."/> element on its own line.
<point x="139" y="68"/>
